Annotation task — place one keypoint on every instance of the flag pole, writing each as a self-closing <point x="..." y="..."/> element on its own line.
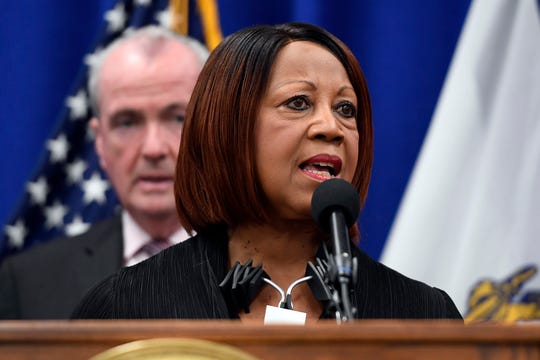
<point x="180" y="16"/>
<point x="210" y="22"/>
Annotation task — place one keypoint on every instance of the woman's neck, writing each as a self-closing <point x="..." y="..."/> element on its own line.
<point x="283" y="253"/>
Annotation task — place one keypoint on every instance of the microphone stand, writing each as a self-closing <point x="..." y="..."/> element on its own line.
<point x="343" y="273"/>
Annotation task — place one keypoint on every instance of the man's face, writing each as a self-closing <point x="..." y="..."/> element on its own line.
<point x="142" y="102"/>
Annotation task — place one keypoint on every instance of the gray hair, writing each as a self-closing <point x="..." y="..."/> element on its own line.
<point x="151" y="32"/>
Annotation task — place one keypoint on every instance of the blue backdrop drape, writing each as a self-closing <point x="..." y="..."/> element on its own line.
<point x="405" y="48"/>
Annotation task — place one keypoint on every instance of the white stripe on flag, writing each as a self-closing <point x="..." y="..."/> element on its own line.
<point x="472" y="207"/>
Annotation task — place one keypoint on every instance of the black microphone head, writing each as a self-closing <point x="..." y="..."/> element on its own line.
<point x="331" y="195"/>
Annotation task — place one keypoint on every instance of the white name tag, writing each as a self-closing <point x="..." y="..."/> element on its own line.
<point x="275" y="315"/>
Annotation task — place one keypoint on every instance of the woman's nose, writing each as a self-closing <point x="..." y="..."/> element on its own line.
<point x="326" y="127"/>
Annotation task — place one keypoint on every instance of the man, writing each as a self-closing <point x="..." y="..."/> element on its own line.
<point x="139" y="88"/>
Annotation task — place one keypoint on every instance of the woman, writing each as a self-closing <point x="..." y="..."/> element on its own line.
<point x="276" y="111"/>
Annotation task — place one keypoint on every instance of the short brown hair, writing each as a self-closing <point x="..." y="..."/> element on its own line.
<point x="216" y="178"/>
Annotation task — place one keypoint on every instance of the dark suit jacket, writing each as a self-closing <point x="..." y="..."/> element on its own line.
<point x="182" y="282"/>
<point x="48" y="280"/>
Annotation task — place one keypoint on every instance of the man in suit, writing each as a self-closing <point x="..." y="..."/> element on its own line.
<point x="139" y="88"/>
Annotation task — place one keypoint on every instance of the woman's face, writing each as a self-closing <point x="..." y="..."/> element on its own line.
<point x="306" y="129"/>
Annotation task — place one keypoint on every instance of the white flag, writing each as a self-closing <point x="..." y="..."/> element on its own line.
<point x="469" y="222"/>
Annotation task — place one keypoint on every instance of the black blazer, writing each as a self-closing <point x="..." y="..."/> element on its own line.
<point x="182" y="282"/>
<point x="48" y="280"/>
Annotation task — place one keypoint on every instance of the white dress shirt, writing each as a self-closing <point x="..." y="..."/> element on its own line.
<point x="135" y="238"/>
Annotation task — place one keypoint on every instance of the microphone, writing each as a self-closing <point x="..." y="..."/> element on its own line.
<point x="335" y="206"/>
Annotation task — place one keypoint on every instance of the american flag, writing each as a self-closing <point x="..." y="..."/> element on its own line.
<point x="69" y="191"/>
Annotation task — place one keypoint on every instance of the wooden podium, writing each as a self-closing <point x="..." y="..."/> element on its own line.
<point x="366" y="339"/>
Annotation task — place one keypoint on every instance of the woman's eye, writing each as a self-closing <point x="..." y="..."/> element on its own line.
<point x="180" y="118"/>
<point x="346" y="109"/>
<point x="298" y="103"/>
